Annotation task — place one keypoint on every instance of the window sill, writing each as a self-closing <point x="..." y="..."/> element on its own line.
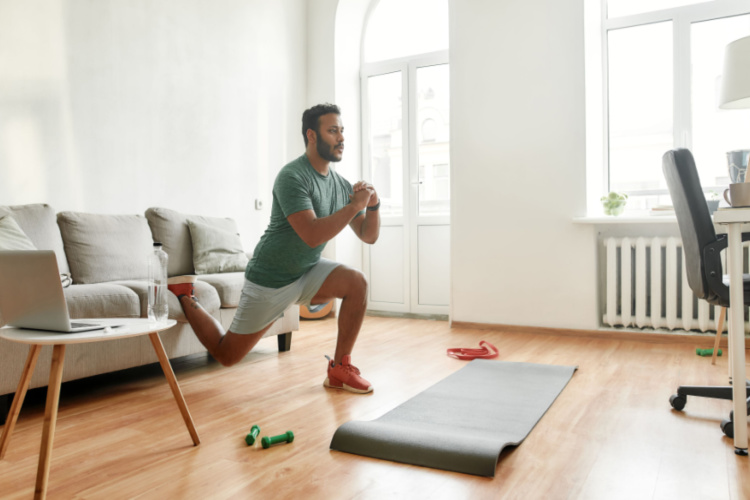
<point x="627" y="218"/>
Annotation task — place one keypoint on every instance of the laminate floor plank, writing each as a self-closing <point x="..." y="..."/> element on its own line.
<point x="610" y="434"/>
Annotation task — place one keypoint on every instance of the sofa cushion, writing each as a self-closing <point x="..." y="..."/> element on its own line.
<point x="103" y="248"/>
<point x="39" y="223"/>
<point x="205" y="293"/>
<point x="170" y="228"/>
<point x="227" y="285"/>
<point x="12" y="237"/>
<point x="216" y="250"/>
<point x="102" y="300"/>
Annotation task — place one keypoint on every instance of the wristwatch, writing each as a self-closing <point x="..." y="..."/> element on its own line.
<point x="375" y="206"/>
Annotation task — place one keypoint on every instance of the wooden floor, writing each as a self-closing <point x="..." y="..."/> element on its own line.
<point x="611" y="434"/>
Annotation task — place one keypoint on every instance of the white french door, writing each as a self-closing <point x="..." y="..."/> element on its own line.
<point x="406" y="156"/>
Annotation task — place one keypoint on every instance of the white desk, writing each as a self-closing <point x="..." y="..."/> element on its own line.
<point x="734" y="218"/>
<point x="36" y="339"/>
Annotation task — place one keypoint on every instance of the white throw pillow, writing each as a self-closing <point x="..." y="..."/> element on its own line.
<point x="216" y="250"/>
<point x="12" y="237"/>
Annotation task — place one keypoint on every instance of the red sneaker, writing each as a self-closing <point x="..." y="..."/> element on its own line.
<point x="182" y="285"/>
<point x="346" y="376"/>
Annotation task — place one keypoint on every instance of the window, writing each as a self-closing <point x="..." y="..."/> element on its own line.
<point x="385" y="140"/>
<point x="715" y="131"/>
<point x="433" y="143"/>
<point x="640" y="104"/>
<point x="661" y="65"/>
<point x="406" y="105"/>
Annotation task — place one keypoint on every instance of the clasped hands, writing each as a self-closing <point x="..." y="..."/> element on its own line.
<point x="364" y="195"/>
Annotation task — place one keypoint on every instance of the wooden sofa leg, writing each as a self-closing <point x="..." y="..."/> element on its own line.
<point x="5" y="401"/>
<point x="285" y="341"/>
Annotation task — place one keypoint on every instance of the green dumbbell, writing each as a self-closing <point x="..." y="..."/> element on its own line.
<point x="250" y="438"/>
<point x="706" y="352"/>
<point x="282" y="438"/>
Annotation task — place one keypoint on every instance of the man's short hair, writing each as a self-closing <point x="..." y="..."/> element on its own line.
<point x="311" y="117"/>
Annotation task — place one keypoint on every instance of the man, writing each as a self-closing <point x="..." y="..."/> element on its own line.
<point x="311" y="205"/>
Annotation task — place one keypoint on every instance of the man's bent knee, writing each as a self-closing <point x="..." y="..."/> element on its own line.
<point x="343" y="282"/>
<point x="233" y="347"/>
<point x="356" y="288"/>
<point x="226" y="358"/>
<point x="358" y="281"/>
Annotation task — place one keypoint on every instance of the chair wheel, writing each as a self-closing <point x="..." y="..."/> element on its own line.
<point x="727" y="427"/>
<point x="677" y="401"/>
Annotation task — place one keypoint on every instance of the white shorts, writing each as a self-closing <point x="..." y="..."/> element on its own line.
<point x="260" y="306"/>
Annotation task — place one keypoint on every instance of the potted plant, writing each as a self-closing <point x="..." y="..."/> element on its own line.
<point x="614" y="203"/>
<point x="712" y="200"/>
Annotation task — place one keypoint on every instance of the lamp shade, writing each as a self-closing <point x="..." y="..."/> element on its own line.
<point x="735" y="84"/>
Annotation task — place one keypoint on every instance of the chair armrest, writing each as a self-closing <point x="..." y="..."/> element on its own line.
<point x="722" y="241"/>
<point x="713" y="270"/>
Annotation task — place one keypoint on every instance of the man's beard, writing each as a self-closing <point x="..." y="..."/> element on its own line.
<point x="325" y="151"/>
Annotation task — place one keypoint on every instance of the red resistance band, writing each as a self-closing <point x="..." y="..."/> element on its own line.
<point x="486" y="351"/>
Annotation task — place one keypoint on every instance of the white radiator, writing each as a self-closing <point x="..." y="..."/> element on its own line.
<point x="646" y="286"/>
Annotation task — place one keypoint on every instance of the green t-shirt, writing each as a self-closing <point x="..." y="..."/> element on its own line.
<point x="281" y="256"/>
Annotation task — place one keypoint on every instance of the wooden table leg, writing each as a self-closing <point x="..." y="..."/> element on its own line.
<point x="50" y="420"/>
<point x="23" y="386"/>
<point x="167" y="368"/>
<point x="719" y="329"/>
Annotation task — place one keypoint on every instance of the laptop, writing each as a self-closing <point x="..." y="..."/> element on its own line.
<point x="31" y="294"/>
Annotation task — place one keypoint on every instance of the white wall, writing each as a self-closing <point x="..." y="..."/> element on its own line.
<point x="518" y="165"/>
<point x="113" y="106"/>
<point x="334" y="36"/>
<point x="321" y="29"/>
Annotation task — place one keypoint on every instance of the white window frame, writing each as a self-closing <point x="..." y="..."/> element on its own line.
<point x="408" y="67"/>
<point x="597" y="86"/>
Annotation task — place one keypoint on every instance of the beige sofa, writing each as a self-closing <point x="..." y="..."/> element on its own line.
<point x="106" y="256"/>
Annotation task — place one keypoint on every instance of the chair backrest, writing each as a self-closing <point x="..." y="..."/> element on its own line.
<point x="696" y="227"/>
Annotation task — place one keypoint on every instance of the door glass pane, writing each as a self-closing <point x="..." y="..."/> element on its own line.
<point x="386" y="139"/>
<point x="640" y="105"/>
<point x="616" y="8"/>
<point x="433" y="139"/>
<point x="715" y="131"/>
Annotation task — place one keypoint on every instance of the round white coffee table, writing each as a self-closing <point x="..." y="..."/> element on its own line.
<point x="128" y="327"/>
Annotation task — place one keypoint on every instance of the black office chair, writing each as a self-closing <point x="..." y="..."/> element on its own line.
<point x="701" y="248"/>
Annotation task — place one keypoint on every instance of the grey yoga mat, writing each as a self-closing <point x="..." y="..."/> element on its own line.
<point x="463" y="422"/>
